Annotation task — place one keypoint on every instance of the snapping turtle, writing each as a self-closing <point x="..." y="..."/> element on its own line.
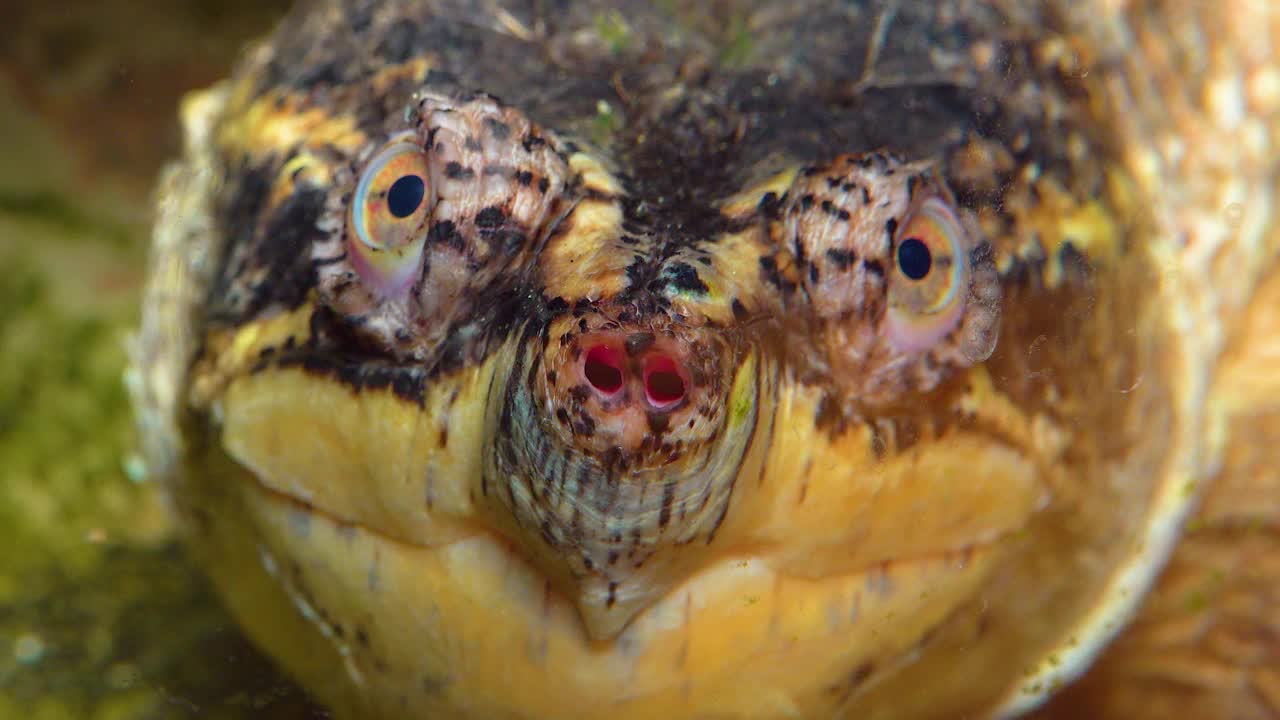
<point x="783" y="359"/>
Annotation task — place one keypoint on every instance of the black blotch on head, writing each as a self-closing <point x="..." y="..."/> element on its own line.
<point x="1075" y="264"/>
<point x="842" y="259"/>
<point x="446" y="233"/>
<point x="321" y="73"/>
<point x="497" y="128"/>
<point x="769" y="269"/>
<point x="579" y="394"/>
<point x="668" y="498"/>
<point x="407" y="383"/>
<point x="585" y="426"/>
<point x="398" y="44"/>
<point x="639" y="342"/>
<point x="636" y="272"/>
<point x="455" y="171"/>
<point x="284" y="251"/>
<point x="768" y="205"/>
<point x="490" y="217"/>
<point x="684" y="277"/>
<point x="239" y="219"/>
<point x="505" y="241"/>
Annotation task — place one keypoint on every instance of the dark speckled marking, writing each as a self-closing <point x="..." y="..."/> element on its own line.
<point x="769" y="266"/>
<point x="490" y="217"/>
<point x="639" y="342"/>
<point x="842" y="259"/>
<point x="456" y="171"/>
<point x="445" y="233"/>
<point x="683" y="277"/>
<point x="497" y="128"/>
<point x="668" y="496"/>
<point x="408" y="383"/>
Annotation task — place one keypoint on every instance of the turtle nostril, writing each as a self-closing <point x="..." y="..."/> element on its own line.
<point x="603" y="369"/>
<point x="663" y="384"/>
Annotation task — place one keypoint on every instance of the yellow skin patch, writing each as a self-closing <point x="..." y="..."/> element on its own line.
<point x="587" y="261"/>
<point x="763" y="606"/>
<point x="283" y="120"/>
<point x="836" y="552"/>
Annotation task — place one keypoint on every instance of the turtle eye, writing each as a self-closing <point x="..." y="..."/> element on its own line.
<point x="388" y="216"/>
<point x="930" y="277"/>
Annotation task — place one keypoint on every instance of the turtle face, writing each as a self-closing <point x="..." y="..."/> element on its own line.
<point x="621" y="415"/>
<point x="772" y="397"/>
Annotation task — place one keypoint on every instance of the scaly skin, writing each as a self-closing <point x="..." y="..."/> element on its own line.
<point x="433" y="474"/>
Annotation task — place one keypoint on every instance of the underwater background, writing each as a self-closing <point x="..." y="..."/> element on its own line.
<point x="101" y="615"/>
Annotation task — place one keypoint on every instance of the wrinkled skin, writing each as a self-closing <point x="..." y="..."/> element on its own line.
<point x="799" y="360"/>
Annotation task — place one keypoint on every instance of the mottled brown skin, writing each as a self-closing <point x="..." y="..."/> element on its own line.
<point x="731" y="203"/>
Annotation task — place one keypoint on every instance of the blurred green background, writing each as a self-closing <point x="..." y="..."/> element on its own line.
<point x="100" y="616"/>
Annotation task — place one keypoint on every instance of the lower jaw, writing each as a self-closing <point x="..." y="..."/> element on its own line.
<point x="381" y="628"/>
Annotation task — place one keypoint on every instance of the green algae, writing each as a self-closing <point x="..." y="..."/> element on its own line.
<point x="101" y="616"/>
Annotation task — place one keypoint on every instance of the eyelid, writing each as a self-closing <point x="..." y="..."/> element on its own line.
<point x="936" y="209"/>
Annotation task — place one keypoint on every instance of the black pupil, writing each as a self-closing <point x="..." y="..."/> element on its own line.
<point x="405" y="195"/>
<point x="914" y="258"/>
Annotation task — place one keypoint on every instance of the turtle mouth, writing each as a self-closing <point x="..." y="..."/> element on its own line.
<point x="477" y="593"/>
<point x="616" y="463"/>
<point x="615" y="547"/>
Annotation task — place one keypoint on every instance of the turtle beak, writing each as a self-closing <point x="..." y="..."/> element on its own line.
<point x="619" y="450"/>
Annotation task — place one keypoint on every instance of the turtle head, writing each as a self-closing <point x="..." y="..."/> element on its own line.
<point x="726" y="397"/>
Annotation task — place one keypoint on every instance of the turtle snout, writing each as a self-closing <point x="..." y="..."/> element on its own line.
<point x="616" y="445"/>
<point x="619" y="389"/>
<point x="658" y="375"/>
